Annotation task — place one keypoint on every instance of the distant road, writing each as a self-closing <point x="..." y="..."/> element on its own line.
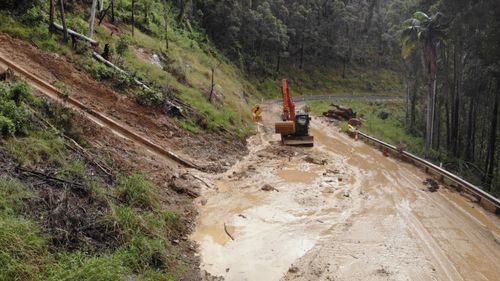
<point x="332" y="98"/>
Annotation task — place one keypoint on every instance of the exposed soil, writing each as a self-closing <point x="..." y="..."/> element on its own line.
<point x="344" y="211"/>
<point x="213" y="150"/>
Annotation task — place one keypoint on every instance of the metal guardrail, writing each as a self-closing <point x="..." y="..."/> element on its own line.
<point x="337" y="98"/>
<point x="485" y="199"/>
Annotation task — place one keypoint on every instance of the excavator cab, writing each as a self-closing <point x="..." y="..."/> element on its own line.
<point x="302" y="124"/>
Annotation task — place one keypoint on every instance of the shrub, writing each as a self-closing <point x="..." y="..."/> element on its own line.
<point x="32" y="16"/>
<point x="7" y="127"/>
<point x="20" y="92"/>
<point x="100" y="72"/>
<point x="149" y="97"/>
<point x="14" y="116"/>
<point x="122" y="46"/>
<point x="121" y="81"/>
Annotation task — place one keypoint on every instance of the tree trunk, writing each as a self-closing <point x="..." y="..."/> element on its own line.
<point x="490" y="159"/>
<point x="212" y="86"/>
<point x="437" y="124"/>
<point x="182" y="10"/>
<point x="369" y="17"/>
<point x="470" y="131"/>
<point x="63" y="20"/>
<point x="112" y="11"/>
<point x="301" y="53"/>
<point x="413" y="103"/>
<point x="52" y="11"/>
<point x="278" y="58"/>
<point x="165" y="17"/>
<point x="92" y="18"/>
<point x="430" y="113"/>
<point x="133" y="17"/>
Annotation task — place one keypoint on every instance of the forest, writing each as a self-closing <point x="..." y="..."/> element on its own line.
<point x="446" y="51"/>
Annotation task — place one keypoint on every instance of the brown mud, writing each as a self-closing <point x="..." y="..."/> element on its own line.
<point x="356" y="216"/>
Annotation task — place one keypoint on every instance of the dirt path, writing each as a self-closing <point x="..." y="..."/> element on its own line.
<point x="339" y="211"/>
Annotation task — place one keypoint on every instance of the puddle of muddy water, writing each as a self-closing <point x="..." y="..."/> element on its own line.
<point x="289" y="175"/>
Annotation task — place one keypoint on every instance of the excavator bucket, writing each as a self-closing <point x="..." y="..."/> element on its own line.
<point x="297" y="140"/>
<point x="284" y="127"/>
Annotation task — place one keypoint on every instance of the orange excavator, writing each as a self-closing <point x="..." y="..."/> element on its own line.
<point x="294" y="128"/>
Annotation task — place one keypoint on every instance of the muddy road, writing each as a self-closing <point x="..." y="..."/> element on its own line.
<point x="338" y="211"/>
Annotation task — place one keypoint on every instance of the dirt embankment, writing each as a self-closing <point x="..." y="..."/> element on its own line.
<point x="213" y="150"/>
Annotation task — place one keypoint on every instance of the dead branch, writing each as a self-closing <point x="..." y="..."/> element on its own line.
<point x="43" y="176"/>
<point x="227" y="232"/>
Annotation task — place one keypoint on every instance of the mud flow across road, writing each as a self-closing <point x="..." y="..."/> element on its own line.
<point x="338" y="211"/>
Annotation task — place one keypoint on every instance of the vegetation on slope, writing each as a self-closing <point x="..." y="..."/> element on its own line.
<point x="181" y="71"/>
<point x="61" y="218"/>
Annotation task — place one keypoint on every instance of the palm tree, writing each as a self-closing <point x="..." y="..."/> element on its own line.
<point x="425" y="33"/>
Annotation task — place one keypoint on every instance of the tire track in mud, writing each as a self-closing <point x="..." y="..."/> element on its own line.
<point x="100" y="119"/>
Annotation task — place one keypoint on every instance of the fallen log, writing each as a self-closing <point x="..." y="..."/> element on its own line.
<point x="340" y="113"/>
<point x="78" y="35"/>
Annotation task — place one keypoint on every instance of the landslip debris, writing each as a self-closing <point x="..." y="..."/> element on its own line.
<point x="267" y="187"/>
<point x="431" y="184"/>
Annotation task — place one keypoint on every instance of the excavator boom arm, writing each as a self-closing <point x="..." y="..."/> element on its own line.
<point x="288" y="105"/>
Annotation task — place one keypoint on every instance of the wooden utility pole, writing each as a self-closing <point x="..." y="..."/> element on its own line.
<point x="63" y="20"/>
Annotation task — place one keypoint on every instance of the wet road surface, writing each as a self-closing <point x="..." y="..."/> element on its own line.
<point x="339" y="211"/>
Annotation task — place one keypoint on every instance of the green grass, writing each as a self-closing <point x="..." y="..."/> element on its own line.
<point x="25" y="252"/>
<point x="190" y="126"/>
<point x="137" y="192"/>
<point x="142" y="224"/>
<point x="391" y="130"/>
<point x="40" y="147"/>
<point x="12" y="196"/>
<point x="80" y="266"/>
<point x="22" y="249"/>
<point x="318" y="80"/>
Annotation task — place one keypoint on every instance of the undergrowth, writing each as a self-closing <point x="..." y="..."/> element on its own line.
<point x="37" y="239"/>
